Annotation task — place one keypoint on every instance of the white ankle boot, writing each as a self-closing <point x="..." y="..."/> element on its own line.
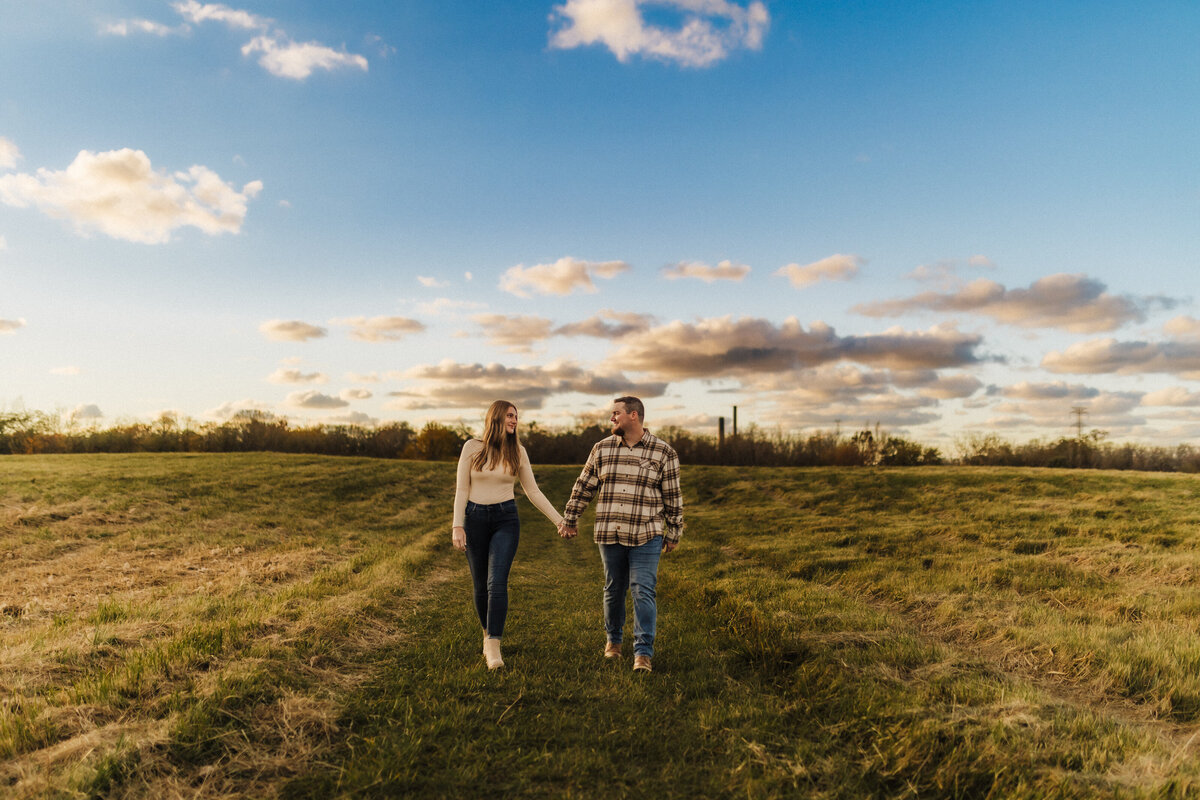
<point x="491" y="651"/>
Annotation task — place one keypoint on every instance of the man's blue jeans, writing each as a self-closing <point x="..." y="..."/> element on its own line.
<point x="632" y="569"/>
<point x="493" y="533"/>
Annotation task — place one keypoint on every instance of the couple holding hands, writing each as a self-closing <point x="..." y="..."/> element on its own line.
<point x="639" y="516"/>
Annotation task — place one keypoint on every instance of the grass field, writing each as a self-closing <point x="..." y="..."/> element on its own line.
<point x="266" y="625"/>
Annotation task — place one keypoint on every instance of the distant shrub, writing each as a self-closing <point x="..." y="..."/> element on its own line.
<point x="29" y="432"/>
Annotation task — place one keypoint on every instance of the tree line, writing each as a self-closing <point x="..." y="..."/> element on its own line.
<point x="29" y="432"/>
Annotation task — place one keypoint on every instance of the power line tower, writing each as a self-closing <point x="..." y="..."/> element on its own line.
<point x="1079" y="412"/>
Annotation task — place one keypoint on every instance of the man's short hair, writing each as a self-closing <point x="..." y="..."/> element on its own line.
<point x="632" y="404"/>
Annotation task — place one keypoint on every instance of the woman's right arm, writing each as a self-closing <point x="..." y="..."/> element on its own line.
<point x="462" y="491"/>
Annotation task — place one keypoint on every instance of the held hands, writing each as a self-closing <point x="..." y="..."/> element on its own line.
<point x="567" y="532"/>
<point x="458" y="538"/>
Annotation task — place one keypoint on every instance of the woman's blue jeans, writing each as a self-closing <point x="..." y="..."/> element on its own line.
<point x="632" y="569"/>
<point x="493" y="532"/>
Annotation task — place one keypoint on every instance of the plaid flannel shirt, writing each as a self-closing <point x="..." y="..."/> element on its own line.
<point x="640" y="496"/>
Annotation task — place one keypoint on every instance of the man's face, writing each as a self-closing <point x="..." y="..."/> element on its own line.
<point x="620" y="419"/>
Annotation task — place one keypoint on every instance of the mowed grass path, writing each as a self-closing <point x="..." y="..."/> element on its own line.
<point x="823" y="633"/>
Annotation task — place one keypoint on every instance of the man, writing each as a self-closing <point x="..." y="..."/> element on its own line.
<point x="639" y="516"/>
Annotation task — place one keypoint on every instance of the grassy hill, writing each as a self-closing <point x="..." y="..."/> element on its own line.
<point x="298" y="626"/>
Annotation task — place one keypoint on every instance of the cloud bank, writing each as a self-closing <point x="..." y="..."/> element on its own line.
<point x="279" y="54"/>
<point x="723" y="271"/>
<point x="119" y="194"/>
<point x="837" y="267"/>
<point x="1103" y="356"/>
<point x="563" y="277"/>
<point x="454" y="385"/>
<point x="1074" y="303"/>
<point x="293" y="330"/>
<point x="707" y="30"/>
<point x="723" y="346"/>
<point x="9" y="154"/>
<point x="380" y="329"/>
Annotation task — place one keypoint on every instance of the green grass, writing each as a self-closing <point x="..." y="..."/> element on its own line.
<point x="294" y="626"/>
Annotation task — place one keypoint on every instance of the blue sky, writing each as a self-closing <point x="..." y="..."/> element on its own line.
<point x="945" y="218"/>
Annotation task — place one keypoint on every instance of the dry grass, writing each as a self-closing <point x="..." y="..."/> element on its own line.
<point x="126" y="615"/>
<point x="264" y="625"/>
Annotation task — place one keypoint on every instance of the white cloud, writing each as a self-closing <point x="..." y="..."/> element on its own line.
<point x="1183" y="327"/>
<point x="1172" y="396"/>
<point x="1056" y="390"/>
<point x="446" y="306"/>
<point x="126" y="26"/>
<point x="9" y="154"/>
<point x="1099" y="356"/>
<point x="607" y="324"/>
<point x="430" y="282"/>
<point x="723" y="347"/>
<point x="949" y="387"/>
<point x="380" y="329"/>
<point x="453" y="385"/>
<point x="384" y="49"/>
<point x="837" y="267"/>
<point x="355" y="394"/>
<point x="215" y="12"/>
<point x="313" y="399"/>
<point x="231" y="409"/>
<point x="515" y="333"/>
<point x="562" y="277"/>
<point x="120" y="194"/>
<point x="723" y="271"/>
<point x="279" y="54"/>
<point x="86" y="411"/>
<point x="3" y="243"/>
<point x="278" y="330"/>
<point x="1053" y="408"/>
<point x="1071" y="302"/>
<point x="297" y="60"/>
<point x="71" y="370"/>
<point x="354" y="418"/>
<point x="708" y="30"/>
<point x="945" y="273"/>
<point x="11" y="325"/>
<point x="518" y="332"/>
<point x="296" y="376"/>
<point x="356" y="377"/>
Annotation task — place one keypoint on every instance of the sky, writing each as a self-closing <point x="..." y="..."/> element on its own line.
<point x="944" y="219"/>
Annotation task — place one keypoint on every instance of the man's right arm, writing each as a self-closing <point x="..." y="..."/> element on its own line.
<point x="583" y="491"/>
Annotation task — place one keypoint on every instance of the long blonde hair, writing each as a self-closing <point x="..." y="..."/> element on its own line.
<point x="499" y="446"/>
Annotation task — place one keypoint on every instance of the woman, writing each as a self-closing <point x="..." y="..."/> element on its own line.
<point x="485" y="516"/>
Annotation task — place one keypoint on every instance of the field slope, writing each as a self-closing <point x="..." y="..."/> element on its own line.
<point x="297" y="626"/>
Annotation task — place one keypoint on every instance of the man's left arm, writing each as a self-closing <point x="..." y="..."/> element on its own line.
<point x="672" y="500"/>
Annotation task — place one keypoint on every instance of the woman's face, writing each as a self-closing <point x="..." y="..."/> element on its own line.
<point x="510" y="420"/>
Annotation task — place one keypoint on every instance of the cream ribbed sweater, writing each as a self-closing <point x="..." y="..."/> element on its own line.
<point x="495" y="485"/>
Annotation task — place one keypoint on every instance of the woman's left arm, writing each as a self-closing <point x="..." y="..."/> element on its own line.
<point x="530" y="487"/>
